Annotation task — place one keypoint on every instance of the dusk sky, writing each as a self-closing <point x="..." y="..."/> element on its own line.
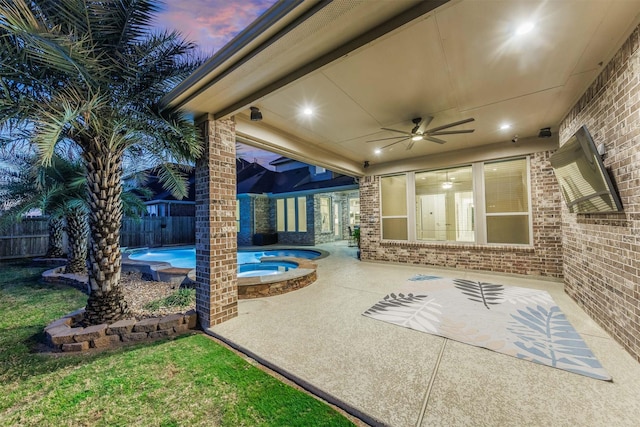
<point x="212" y="24"/>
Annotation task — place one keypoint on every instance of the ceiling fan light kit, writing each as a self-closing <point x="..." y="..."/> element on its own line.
<point x="419" y="133"/>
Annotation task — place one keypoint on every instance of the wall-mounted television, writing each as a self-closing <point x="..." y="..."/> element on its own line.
<point x="584" y="181"/>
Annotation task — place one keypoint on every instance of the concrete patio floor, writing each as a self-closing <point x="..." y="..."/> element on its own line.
<point x="400" y="377"/>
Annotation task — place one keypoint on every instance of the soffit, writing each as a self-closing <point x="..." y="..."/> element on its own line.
<point x="460" y="61"/>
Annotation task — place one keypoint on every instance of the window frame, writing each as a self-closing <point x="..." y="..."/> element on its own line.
<point x="529" y="212"/>
<point x="283" y="220"/>
<point x="329" y="214"/>
<point x="479" y="215"/>
<point x="411" y="229"/>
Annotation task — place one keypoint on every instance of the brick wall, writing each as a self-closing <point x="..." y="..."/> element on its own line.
<point x="319" y="235"/>
<point x="602" y="252"/>
<point x="544" y="258"/>
<point x="261" y="212"/>
<point x="216" y="245"/>
<point x="295" y="237"/>
<point x="342" y="198"/>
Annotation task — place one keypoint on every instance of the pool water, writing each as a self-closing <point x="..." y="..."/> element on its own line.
<point x="186" y="257"/>
<point x="264" y="268"/>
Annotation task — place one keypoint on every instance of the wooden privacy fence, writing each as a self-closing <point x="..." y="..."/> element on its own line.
<point x="158" y="231"/>
<point x="30" y="237"/>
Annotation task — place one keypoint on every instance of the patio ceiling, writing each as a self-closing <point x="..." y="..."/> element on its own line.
<point x="364" y="65"/>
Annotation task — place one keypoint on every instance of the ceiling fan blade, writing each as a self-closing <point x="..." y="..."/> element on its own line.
<point x="452" y="132"/>
<point x="449" y="125"/>
<point x="423" y="125"/>
<point x="432" y="139"/>
<point x="399" y="131"/>
<point x="410" y="144"/>
<point x="393" y="143"/>
<point x="385" y="139"/>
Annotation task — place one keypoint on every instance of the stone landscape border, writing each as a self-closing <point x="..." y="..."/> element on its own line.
<point x="62" y="335"/>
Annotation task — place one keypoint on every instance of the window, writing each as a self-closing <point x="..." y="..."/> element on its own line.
<point x="280" y="214"/>
<point x="302" y="214"/>
<point x="291" y="214"/>
<point x="444" y="205"/>
<point x="394" y="207"/>
<point x="507" y="201"/>
<point x="237" y="216"/>
<point x="354" y="211"/>
<point x="325" y="215"/>
<point x="483" y="203"/>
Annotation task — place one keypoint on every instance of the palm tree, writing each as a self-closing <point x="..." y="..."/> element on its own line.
<point x="92" y="72"/>
<point x="56" y="227"/>
<point x="26" y="188"/>
<point x="58" y="191"/>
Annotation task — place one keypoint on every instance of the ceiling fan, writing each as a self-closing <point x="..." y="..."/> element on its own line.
<point x="419" y="133"/>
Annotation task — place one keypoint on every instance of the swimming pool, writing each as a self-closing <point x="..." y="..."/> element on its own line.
<point x="186" y="257"/>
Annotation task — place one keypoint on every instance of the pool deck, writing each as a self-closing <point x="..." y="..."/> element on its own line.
<point x="399" y="377"/>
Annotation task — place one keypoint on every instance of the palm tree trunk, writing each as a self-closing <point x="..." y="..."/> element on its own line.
<point x="56" y="234"/>
<point x="104" y="172"/>
<point x="78" y="232"/>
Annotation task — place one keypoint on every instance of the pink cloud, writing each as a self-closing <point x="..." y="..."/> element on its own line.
<point x="210" y="23"/>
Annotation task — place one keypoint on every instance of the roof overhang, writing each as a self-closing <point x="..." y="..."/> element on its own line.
<point x="371" y="64"/>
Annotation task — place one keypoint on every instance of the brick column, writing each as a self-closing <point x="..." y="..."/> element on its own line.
<point x="216" y="247"/>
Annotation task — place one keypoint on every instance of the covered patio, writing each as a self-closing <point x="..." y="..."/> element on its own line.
<point x="400" y="377"/>
<point x="335" y="82"/>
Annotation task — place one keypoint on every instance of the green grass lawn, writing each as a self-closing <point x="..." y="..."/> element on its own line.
<point x="185" y="381"/>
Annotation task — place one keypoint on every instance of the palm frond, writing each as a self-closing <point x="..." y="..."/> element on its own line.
<point x="173" y="180"/>
<point x="44" y="44"/>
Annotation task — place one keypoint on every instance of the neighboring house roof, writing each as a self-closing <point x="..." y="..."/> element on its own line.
<point x="300" y="180"/>
<point x="280" y="160"/>
<point x="253" y="178"/>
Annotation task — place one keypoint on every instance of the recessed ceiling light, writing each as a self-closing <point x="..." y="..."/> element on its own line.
<point x="447" y="185"/>
<point x="378" y="151"/>
<point x="524" y="28"/>
<point x="307" y="111"/>
<point x="505" y="126"/>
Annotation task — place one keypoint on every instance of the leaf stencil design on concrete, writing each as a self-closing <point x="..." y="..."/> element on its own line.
<point x="518" y="322"/>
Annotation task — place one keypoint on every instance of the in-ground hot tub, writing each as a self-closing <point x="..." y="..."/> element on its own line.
<point x="260" y="273"/>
